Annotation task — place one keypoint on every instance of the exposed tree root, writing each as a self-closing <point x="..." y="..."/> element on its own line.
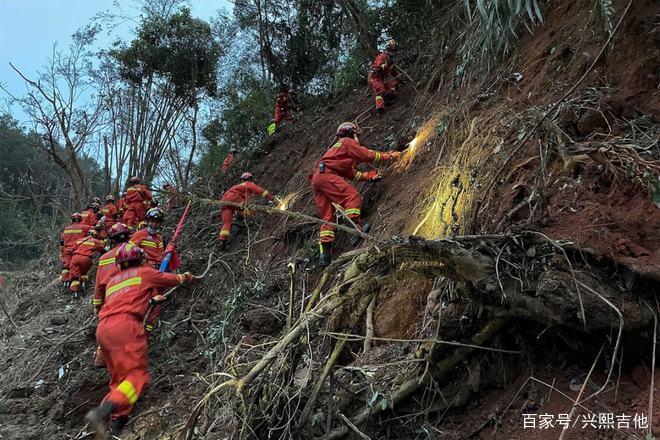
<point x="523" y="277"/>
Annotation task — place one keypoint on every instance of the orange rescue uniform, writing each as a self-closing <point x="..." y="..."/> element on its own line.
<point x="382" y="78"/>
<point x="329" y="184"/>
<point x="226" y="164"/>
<point x="120" y="333"/>
<point x="110" y="213"/>
<point x="283" y="106"/>
<point x="138" y="200"/>
<point x="81" y="262"/>
<point x="70" y="235"/>
<point x="240" y="193"/>
<point x="89" y="217"/>
<point x="154" y="248"/>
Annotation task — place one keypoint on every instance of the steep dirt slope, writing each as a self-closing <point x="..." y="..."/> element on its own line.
<point x="573" y="180"/>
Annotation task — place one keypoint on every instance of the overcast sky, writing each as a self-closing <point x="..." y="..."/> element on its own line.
<point x="29" y="28"/>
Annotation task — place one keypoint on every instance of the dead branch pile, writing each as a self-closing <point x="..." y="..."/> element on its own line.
<point x="284" y="392"/>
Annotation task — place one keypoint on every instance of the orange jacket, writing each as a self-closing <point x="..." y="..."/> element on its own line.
<point x="244" y="191"/>
<point x="88" y="246"/>
<point x="89" y="217"/>
<point x="383" y="66"/>
<point x="106" y="270"/>
<point x="129" y="291"/>
<point x="227" y="163"/>
<point x="121" y="205"/>
<point x="284" y="101"/>
<point x="138" y="193"/>
<point x="72" y="233"/>
<point x="110" y="212"/>
<point x="345" y="154"/>
<point x="154" y="248"/>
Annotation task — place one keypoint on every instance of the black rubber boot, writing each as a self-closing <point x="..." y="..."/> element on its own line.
<point x="118" y="424"/>
<point x="98" y="417"/>
<point x="325" y="255"/>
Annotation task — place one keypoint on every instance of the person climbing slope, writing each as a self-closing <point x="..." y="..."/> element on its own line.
<point x="84" y="251"/>
<point x="118" y="234"/>
<point x="240" y="193"/>
<point x="229" y="160"/>
<point x="90" y="215"/>
<point x="123" y="339"/>
<point x="383" y="76"/>
<point x="138" y="200"/>
<point x="330" y="186"/>
<point x="151" y="240"/>
<point x="110" y="211"/>
<point x="70" y="235"/>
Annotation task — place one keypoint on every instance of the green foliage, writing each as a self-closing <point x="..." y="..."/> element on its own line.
<point x="32" y="188"/>
<point x="604" y="10"/>
<point x="347" y="73"/>
<point x="493" y="27"/>
<point x="217" y="333"/>
<point x="180" y="48"/>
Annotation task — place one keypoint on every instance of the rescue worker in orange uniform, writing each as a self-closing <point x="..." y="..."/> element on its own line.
<point x="283" y="105"/>
<point x="123" y="339"/>
<point x="118" y="234"/>
<point x="84" y="251"/>
<point x="240" y="193"/>
<point x="382" y="76"/>
<point x="90" y="215"/>
<point x="101" y="228"/>
<point x="68" y="240"/>
<point x="229" y="160"/>
<point x="138" y="200"/>
<point x="110" y="211"/>
<point x="150" y="240"/>
<point x="330" y="186"/>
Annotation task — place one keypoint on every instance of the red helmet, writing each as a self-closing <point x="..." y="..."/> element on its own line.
<point x="128" y="253"/>
<point x="247" y="176"/>
<point x="109" y="198"/>
<point x="93" y="233"/>
<point x="133" y="180"/>
<point x="348" y="129"/>
<point x="155" y="214"/>
<point x="76" y="217"/>
<point x="118" y="231"/>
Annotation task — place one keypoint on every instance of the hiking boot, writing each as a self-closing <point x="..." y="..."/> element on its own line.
<point x="118" y="424"/>
<point x="97" y="419"/>
<point x="380" y="111"/>
<point x="325" y="254"/>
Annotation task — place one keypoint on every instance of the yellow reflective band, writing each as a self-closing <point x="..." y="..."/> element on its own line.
<point x="127" y="389"/>
<point x="150" y="244"/>
<point x="264" y="194"/>
<point x="377" y="158"/>
<point x="96" y="302"/>
<point x="327" y="233"/>
<point x="358" y="174"/>
<point x="107" y="261"/>
<point x="134" y="189"/>
<point x="351" y="211"/>
<point x="224" y="232"/>
<point x="135" y="281"/>
<point x="75" y="283"/>
<point x="379" y="98"/>
<point x="87" y="243"/>
<point x="65" y="271"/>
<point x="73" y="231"/>
<point x="337" y="145"/>
<point x="148" y="327"/>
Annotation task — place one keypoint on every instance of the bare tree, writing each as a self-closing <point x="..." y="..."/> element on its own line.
<point x="65" y="107"/>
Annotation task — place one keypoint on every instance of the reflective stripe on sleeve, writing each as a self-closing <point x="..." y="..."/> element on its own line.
<point x="107" y="261"/>
<point x="352" y="211"/>
<point x="358" y="175"/>
<point x="128" y="390"/>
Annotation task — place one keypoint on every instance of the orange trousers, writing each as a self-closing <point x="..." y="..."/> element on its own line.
<point x="380" y="88"/>
<point x="328" y="188"/>
<point x="134" y="213"/>
<point x="65" y="257"/>
<point x="123" y="343"/>
<point x="80" y="266"/>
